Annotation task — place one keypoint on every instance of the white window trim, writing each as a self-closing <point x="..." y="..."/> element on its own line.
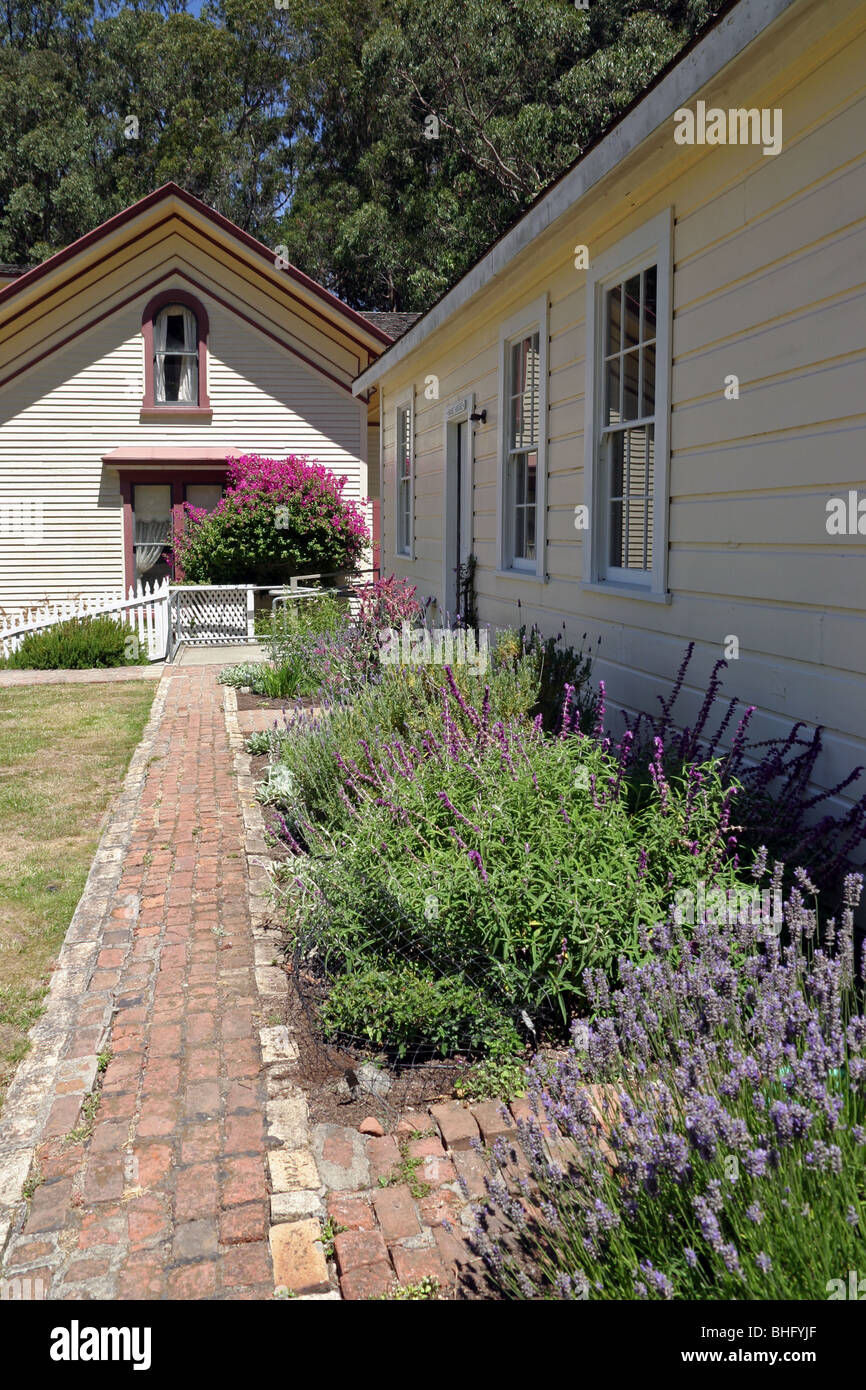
<point x="404" y="401"/>
<point x="531" y="318"/>
<point x="651" y="243"/>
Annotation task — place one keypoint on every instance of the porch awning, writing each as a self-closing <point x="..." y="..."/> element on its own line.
<point x="170" y="453"/>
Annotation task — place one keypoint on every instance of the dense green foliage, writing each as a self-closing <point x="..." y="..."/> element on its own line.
<point x="307" y="124"/>
<point x="276" y="518"/>
<point x="77" y="644"/>
<point x="404" y="702"/>
<point x="299" y="639"/>
<point x="504" y="858"/>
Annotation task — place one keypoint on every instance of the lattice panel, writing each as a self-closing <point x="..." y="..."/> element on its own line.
<point x="215" y="616"/>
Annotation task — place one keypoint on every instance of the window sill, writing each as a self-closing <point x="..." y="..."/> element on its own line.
<point x="176" y="412"/>
<point x="531" y="576"/>
<point x="598" y="586"/>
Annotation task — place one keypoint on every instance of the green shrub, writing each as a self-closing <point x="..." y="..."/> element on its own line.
<point x="78" y="644"/>
<point x="561" y="666"/>
<point x="403" y="702"/>
<point x="290" y="624"/>
<point x="526" y="859"/>
<point x="404" y="1010"/>
<point x="278" y="518"/>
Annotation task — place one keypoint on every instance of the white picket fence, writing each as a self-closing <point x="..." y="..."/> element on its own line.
<point x="164" y="616"/>
<point x="144" y="610"/>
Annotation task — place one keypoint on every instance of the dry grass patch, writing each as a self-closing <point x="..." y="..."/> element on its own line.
<point x="64" y="751"/>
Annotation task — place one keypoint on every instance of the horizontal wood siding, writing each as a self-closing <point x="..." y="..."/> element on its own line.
<point x="61" y="415"/>
<point x="769" y="284"/>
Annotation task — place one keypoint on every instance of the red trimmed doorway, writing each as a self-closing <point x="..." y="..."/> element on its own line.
<point x="153" y="499"/>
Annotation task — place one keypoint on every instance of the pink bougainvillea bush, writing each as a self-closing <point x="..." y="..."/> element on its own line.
<point x="278" y="517"/>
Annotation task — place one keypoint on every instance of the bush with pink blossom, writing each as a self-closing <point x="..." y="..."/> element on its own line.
<point x="278" y="517"/>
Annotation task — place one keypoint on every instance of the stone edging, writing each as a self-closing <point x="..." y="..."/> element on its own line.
<point x="44" y="1077"/>
<point x="296" y="1205"/>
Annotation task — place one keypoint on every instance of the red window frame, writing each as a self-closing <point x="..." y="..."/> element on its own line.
<point x="150" y="407"/>
<point x="178" y="482"/>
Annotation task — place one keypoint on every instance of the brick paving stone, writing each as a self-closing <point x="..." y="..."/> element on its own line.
<point x="354" y="1248"/>
<point x="439" y="1206"/>
<point x="50" y="1206"/>
<point x="198" y="1189"/>
<point x="247" y="1265"/>
<point x="429" y="1147"/>
<point x="414" y="1122"/>
<point x="239" y="1225"/>
<point x="293" y="1170"/>
<point x="367" y="1281"/>
<point x="396" y="1213"/>
<point x="383" y="1156"/>
<point x="294" y="1206"/>
<point x="297" y="1257"/>
<point x="341" y="1156"/>
<point x="454" y="1249"/>
<point x="472" y="1168"/>
<point x="457" y="1125"/>
<point x="413" y="1265"/>
<point x="353" y="1213"/>
<point x="63" y="1116"/>
<point x="492" y="1122"/>
<point x="436" y="1171"/>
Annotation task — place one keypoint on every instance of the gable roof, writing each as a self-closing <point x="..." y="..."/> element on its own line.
<point x="732" y="30"/>
<point x="26" y="279"/>
<point x="48" y="305"/>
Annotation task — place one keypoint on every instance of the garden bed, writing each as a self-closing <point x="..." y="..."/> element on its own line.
<point x="250" y="701"/>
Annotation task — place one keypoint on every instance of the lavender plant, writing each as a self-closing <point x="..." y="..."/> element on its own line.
<point x="778" y="803"/>
<point x="398" y="702"/>
<point x="704" y="1137"/>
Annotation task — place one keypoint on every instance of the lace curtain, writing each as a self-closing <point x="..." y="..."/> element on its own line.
<point x="151" y="538"/>
<point x="162" y="348"/>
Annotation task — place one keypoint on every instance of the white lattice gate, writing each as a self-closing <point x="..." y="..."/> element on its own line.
<point x="211" y="614"/>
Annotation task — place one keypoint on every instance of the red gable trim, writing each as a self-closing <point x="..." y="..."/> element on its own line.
<point x="28" y="309"/>
<point x="182" y="274"/>
<point x="172" y="190"/>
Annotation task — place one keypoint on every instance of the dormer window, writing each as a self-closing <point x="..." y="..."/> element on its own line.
<point x="175" y="356"/>
<point x="175" y="329"/>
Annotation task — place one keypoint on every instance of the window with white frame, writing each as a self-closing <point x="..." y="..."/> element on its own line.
<point x="522" y="461"/>
<point x="628" y="411"/>
<point x="405" y="479"/>
<point x="523" y="397"/>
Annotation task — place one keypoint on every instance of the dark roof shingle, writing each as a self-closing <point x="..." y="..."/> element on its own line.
<point x="395" y="325"/>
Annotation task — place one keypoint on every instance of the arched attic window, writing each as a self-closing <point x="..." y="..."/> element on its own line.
<point x="175" y="330"/>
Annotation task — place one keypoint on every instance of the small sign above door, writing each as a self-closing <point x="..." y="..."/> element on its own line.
<point x="457" y="408"/>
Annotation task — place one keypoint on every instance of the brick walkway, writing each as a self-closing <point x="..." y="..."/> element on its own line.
<point x="402" y="1205"/>
<point x="167" y="1196"/>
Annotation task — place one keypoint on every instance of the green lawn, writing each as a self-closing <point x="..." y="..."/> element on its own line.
<point x="64" y="751"/>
